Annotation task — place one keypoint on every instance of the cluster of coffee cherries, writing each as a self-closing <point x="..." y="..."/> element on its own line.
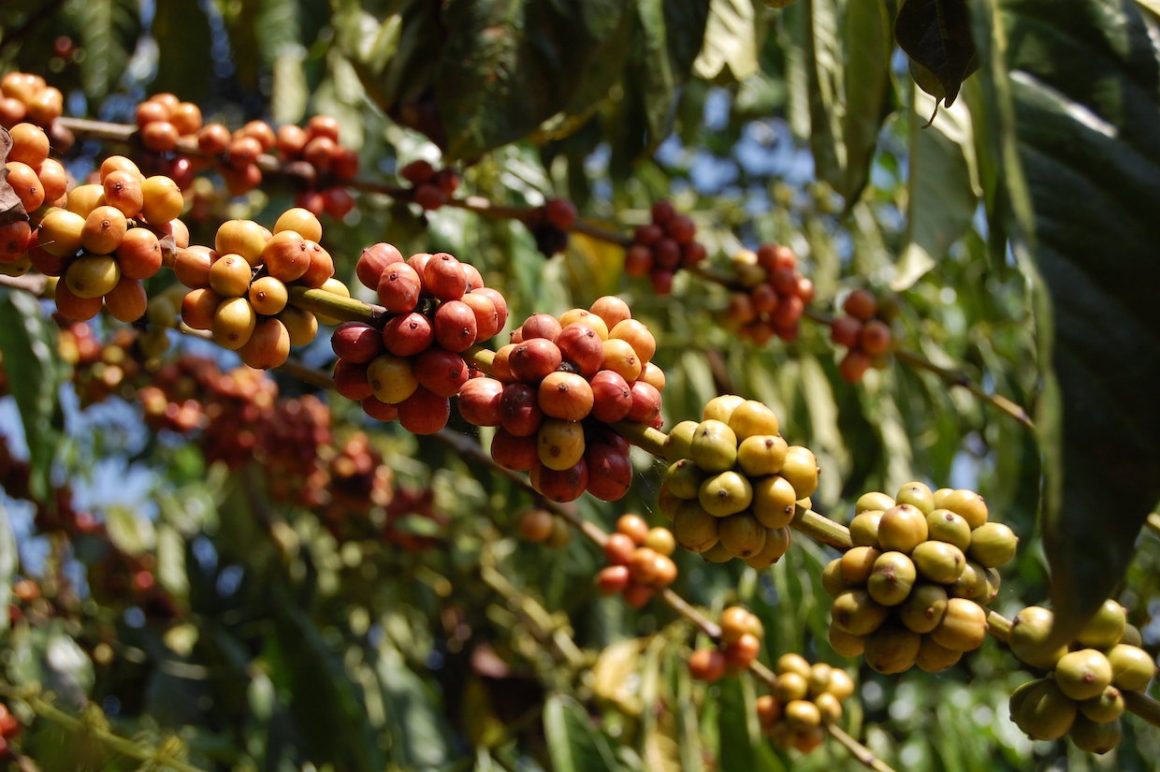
<point x="1082" y="695"/>
<point x="191" y="392"/>
<point x="120" y="580"/>
<point x="431" y="188"/>
<point x="556" y="388"/>
<point x="740" y="643"/>
<point x="865" y="331"/>
<point x="734" y="483"/>
<point x="10" y="727"/>
<point x="26" y="97"/>
<point x="290" y="442"/>
<point x="163" y="119"/>
<point x="911" y="590"/>
<point x="805" y="699"/>
<point x="359" y="481"/>
<point x="98" y="369"/>
<point x="438" y="308"/>
<point x="240" y="288"/>
<point x="663" y="247"/>
<point x="775" y="294"/>
<point x="312" y="156"/>
<point x="639" y="562"/>
<point x="540" y="526"/>
<point x="107" y="240"/>
<point x="550" y="225"/>
<point x="36" y="180"/>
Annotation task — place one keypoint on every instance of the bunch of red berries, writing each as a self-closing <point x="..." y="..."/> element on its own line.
<point x="550" y="224"/>
<point x="312" y="156"/>
<point x="290" y="442"/>
<point x="775" y="294"/>
<point x="430" y="187"/>
<point x="409" y="369"/>
<point x="741" y="636"/>
<point x="865" y="331"/>
<point x="663" y="247"/>
<point x="556" y="388"/>
<point x="639" y="562"/>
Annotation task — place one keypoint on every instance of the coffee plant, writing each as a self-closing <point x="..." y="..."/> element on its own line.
<point x="581" y="386"/>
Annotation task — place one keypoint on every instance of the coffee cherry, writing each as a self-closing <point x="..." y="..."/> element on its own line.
<point x="229" y="276"/>
<point x="707" y="665"/>
<point x="424" y="412"/>
<point x="1031" y="630"/>
<point x="890" y="649"/>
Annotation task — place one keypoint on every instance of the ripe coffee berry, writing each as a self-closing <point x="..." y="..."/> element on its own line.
<point x="775" y="297"/>
<point x="639" y="562"/>
<point x="864" y="330"/>
<point x="663" y="247"/>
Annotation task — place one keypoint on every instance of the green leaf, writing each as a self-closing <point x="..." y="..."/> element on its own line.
<point x="941" y="190"/>
<point x="107" y="29"/>
<point x="1083" y="85"/>
<point x="9" y="559"/>
<point x="414" y="715"/>
<point x="936" y="35"/>
<point x="29" y="344"/>
<point x="179" y="25"/>
<point x="823" y="52"/>
<point x="741" y="742"/>
<point x="573" y="744"/>
<point x="730" y="48"/>
<point x="867" y="46"/>
<point x="128" y="532"/>
<point x="328" y="708"/>
<point x="507" y="66"/>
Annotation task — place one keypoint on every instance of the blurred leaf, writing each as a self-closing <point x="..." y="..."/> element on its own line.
<point x="867" y="47"/>
<point x="171" y="561"/>
<point x="413" y="713"/>
<point x="179" y="25"/>
<point x="730" y="42"/>
<point x="741" y="742"/>
<point x="573" y="744"/>
<point x="128" y="532"/>
<point x="612" y="674"/>
<point x="9" y="559"/>
<point x="327" y="706"/>
<point x="107" y="30"/>
<point x="941" y="190"/>
<point x="823" y="60"/>
<point x="936" y="35"/>
<point x="290" y="92"/>
<point x="29" y="343"/>
<point x="506" y="66"/>
<point x="68" y="672"/>
<point x="1084" y="86"/>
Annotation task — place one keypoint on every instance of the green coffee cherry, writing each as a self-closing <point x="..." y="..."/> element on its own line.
<point x="725" y="493"/>
<point x="1083" y="674"/>
<point x="944" y="525"/>
<point x="714" y="446"/>
<point x="917" y="495"/>
<point x="993" y="544"/>
<point x="1105" y="629"/>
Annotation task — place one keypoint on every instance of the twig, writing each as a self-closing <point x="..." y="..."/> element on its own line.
<point x="116" y="743"/>
<point x="857" y="749"/>
<point x="272" y="165"/>
<point x="959" y="378"/>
